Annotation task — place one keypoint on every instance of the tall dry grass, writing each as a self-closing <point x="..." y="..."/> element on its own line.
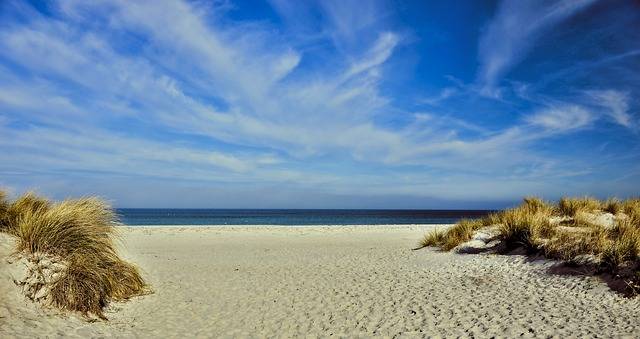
<point x="571" y="244"/>
<point x="434" y="238"/>
<point x="624" y="245"/>
<point x="631" y="208"/>
<point x="613" y="249"/>
<point x="491" y="219"/>
<point x="27" y="203"/>
<point x="452" y="237"/>
<point x="613" y="206"/>
<point x="85" y="225"/>
<point x="535" y="205"/>
<point x="4" y="205"/>
<point x="525" y="227"/>
<point x="82" y="232"/>
<point x="517" y="226"/>
<point x="572" y="206"/>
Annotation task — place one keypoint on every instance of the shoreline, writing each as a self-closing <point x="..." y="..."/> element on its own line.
<point x="267" y="226"/>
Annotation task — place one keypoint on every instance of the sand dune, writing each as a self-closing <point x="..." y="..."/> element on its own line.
<point x="329" y="281"/>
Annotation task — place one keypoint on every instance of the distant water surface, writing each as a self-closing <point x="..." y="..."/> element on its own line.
<point x="139" y="216"/>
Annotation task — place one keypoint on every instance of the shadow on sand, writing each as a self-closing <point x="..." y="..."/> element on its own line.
<point x="621" y="283"/>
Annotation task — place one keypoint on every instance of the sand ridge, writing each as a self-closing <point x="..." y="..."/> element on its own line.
<point x="346" y="281"/>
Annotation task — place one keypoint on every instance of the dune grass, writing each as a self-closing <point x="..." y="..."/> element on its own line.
<point x="613" y="249"/>
<point x="4" y="206"/>
<point x="525" y="227"/>
<point x="535" y="205"/>
<point x="13" y="212"/>
<point x="571" y="206"/>
<point x="631" y="208"/>
<point x="624" y="245"/>
<point x="82" y="232"/>
<point x="434" y="238"/>
<point x="570" y="245"/>
<point x="613" y="206"/>
<point x="461" y="232"/>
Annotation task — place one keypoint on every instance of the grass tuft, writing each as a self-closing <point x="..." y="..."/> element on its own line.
<point x="524" y="227"/>
<point x="460" y="233"/>
<point x="631" y="208"/>
<point x="491" y="220"/>
<point x="578" y="238"/>
<point x="85" y="225"/>
<point x="582" y="219"/>
<point x="29" y="203"/>
<point x="568" y="245"/>
<point x="452" y="237"/>
<point x="434" y="238"/>
<point x="613" y="206"/>
<point x="625" y="245"/>
<point x="534" y="205"/>
<point x="572" y="206"/>
<point x="90" y="282"/>
<point x="82" y="232"/>
<point x="4" y="206"/>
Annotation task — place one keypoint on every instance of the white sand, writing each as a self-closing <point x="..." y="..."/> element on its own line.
<point x="330" y="281"/>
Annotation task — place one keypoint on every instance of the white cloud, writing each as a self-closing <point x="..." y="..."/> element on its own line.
<point x="378" y="54"/>
<point x="444" y="94"/>
<point x="95" y="149"/>
<point x="562" y="118"/>
<point x="615" y="103"/>
<point x="302" y="117"/>
<point x="514" y="30"/>
<point x="198" y="99"/>
<point x="348" y="19"/>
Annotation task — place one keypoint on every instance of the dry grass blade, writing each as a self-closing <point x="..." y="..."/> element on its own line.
<point x="536" y="205"/>
<point x="4" y="206"/>
<point x="568" y="245"/>
<point x="625" y="245"/>
<point x="452" y="237"/>
<point x="491" y="219"/>
<point x="92" y="281"/>
<point x="460" y="233"/>
<point x="26" y="204"/>
<point x="613" y="206"/>
<point x="82" y="232"/>
<point x="63" y="228"/>
<point x="517" y="226"/>
<point x="526" y="225"/>
<point x="125" y="280"/>
<point x="571" y="206"/>
<point x="434" y="238"/>
<point x="631" y="208"/>
<point x="537" y="226"/>
<point x="583" y="219"/>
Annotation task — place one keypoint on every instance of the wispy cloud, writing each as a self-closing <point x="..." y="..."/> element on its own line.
<point x="304" y="116"/>
<point x="444" y="94"/>
<point x="180" y="92"/>
<point x="615" y="104"/>
<point x="378" y="54"/>
<point x="562" y="119"/>
<point x="514" y="31"/>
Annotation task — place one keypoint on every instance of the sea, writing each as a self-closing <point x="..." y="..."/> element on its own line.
<point x="291" y="217"/>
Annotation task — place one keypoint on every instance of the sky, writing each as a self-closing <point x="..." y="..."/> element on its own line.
<point x="320" y="104"/>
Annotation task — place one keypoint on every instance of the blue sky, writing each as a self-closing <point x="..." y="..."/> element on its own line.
<point x="320" y="104"/>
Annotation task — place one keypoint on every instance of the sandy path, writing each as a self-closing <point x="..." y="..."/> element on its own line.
<point x="344" y="281"/>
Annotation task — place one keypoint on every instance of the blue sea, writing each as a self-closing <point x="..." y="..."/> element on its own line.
<point x="137" y="216"/>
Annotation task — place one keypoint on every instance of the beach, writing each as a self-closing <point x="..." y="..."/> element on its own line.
<point x="339" y="281"/>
